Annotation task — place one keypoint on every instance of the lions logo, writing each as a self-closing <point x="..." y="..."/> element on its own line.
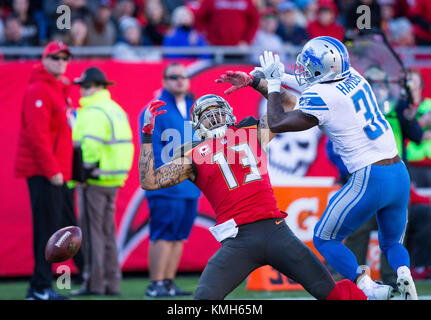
<point x="310" y="56"/>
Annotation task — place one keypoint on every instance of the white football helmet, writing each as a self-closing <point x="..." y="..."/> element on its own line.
<point x="211" y="123"/>
<point x="322" y="59"/>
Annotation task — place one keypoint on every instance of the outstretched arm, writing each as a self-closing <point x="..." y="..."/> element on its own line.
<point x="167" y="175"/>
<point x="278" y="119"/>
<point x="240" y="79"/>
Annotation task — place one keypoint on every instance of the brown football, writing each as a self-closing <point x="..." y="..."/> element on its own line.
<point x="63" y="244"/>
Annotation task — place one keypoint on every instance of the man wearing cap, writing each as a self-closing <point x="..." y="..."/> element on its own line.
<point x="44" y="157"/>
<point x="103" y="132"/>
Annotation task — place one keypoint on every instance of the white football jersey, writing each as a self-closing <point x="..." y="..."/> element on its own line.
<point x="348" y="114"/>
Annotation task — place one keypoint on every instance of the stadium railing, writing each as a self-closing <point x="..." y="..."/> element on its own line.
<point x="412" y="56"/>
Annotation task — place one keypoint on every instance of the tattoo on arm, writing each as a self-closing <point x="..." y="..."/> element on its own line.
<point x="167" y="175"/>
<point x="264" y="134"/>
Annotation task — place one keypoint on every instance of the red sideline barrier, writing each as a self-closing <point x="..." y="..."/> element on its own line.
<point x="136" y="84"/>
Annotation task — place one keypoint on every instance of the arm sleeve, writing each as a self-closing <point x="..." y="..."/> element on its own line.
<point x="313" y="104"/>
<point x="37" y="111"/>
<point x="290" y="81"/>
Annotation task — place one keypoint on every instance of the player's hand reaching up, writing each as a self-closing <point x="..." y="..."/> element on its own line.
<point x="273" y="70"/>
<point x="238" y="79"/>
<point x="150" y="115"/>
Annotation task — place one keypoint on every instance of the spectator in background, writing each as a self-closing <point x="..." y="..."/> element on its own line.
<point x="122" y="8"/>
<point x="307" y="11"/>
<point x="266" y="38"/>
<point x="174" y="209"/>
<point x="420" y="15"/>
<point x="13" y="32"/>
<point x="325" y="23"/>
<point x="103" y="132"/>
<point x="419" y="164"/>
<point x="183" y="33"/>
<point x="127" y="48"/>
<point x="156" y="27"/>
<point x="101" y="29"/>
<point x="78" y="8"/>
<point x="44" y="158"/>
<point x="351" y="16"/>
<point x="29" y="31"/>
<point x="77" y="36"/>
<point x="228" y="23"/>
<point x="419" y="154"/>
<point x="288" y="29"/>
<point x="171" y="5"/>
<point x="401" y="32"/>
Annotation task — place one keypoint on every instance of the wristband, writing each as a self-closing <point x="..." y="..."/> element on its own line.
<point x="255" y="81"/>
<point x="274" y="85"/>
<point x="147" y="138"/>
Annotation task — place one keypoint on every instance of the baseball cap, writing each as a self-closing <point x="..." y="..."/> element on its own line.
<point x="55" y="47"/>
<point x="93" y="75"/>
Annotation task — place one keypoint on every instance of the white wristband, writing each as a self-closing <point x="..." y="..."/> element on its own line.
<point x="274" y="85"/>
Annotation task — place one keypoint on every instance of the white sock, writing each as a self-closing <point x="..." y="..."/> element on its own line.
<point x="403" y="271"/>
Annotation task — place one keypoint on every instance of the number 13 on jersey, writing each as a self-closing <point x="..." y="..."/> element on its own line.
<point x="248" y="160"/>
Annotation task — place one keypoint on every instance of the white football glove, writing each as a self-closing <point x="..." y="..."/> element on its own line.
<point x="273" y="70"/>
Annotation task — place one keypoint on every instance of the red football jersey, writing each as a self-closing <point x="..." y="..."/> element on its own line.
<point x="232" y="173"/>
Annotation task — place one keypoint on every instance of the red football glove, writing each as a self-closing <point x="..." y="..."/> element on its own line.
<point x="238" y="79"/>
<point x="150" y="115"/>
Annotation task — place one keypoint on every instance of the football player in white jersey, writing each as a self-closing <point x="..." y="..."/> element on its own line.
<point x="340" y="101"/>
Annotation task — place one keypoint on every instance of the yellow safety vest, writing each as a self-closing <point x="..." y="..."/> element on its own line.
<point x="103" y="131"/>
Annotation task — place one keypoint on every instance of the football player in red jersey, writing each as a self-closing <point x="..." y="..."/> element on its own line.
<point x="229" y="166"/>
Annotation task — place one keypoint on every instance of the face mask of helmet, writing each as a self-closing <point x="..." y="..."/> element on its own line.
<point x="213" y="123"/>
<point x="211" y="115"/>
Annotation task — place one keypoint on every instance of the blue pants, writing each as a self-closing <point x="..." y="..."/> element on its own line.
<point x="380" y="190"/>
<point x="171" y="219"/>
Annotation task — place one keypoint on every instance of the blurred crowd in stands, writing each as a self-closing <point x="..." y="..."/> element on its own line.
<point x="125" y="24"/>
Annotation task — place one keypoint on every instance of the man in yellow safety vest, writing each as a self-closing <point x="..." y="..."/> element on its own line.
<point x="103" y="132"/>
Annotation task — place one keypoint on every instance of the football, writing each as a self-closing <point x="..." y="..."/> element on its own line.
<point x="63" y="244"/>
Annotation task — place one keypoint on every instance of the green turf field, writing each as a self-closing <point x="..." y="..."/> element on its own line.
<point x="133" y="288"/>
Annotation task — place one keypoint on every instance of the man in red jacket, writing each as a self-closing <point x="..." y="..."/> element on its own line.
<point x="228" y="22"/>
<point x="325" y="23"/>
<point x="44" y="157"/>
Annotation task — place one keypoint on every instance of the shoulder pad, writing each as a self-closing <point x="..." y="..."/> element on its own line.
<point x="247" y="122"/>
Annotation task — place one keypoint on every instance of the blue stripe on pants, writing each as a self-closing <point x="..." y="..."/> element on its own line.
<point x="375" y="189"/>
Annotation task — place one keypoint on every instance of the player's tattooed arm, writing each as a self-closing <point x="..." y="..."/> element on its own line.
<point x="167" y="175"/>
<point x="264" y="134"/>
<point x="281" y="121"/>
